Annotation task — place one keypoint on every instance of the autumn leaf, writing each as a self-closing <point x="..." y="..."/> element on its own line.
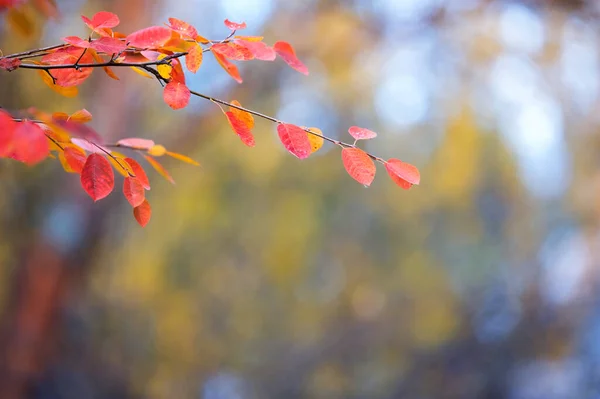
<point x="65" y="91"/>
<point x="183" y="28"/>
<point x="106" y="69"/>
<point x="294" y="139"/>
<point x="193" y="58"/>
<point x="230" y="68"/>
<point x="134" y="142"/>
<point x="287" y="53"/>
<point x="182" y="158"/>
<point x="142" y="213"/>
<point x="159" y="168"/>
<point x="141" y="72"/>
<point x="157" y="150"/>
<point x="29" y="143"/>
<point x="316" y="142"/>
<point x="97" y="177"/>
<point x="77" y="41"/>
<point x="233" y="51"/>
<point x="80" y="116"/>
<point x="90" y="146"/>
<point x="176" y="95"/>
<point x="134" y="192"/>
<point x="74" y="157"/>
<point x="9" y="64"/>
<point x="152" y="37"/>
<point x="245" y="117"/>
<point x="402" y="173"/>
<point x="101" y="20"/>
<point x="7" y="128"/>
<point x="67" y="77"/>
<point x="139" y="172"/>
<point x="108" y="45"/>
<point x="234" y="25"/>
<point x="241" y="129"/>
<point x="258" y="49"/>
<point x="360" y="133"/>
<point x="359" y="165"/>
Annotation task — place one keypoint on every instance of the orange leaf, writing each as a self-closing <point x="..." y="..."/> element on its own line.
<point x="134" y="192"/>
<point x="97" y="177"/>
<point x="193" y="59"/>
<point x="286" y="51"/>
<point x="106" y="69"/>
<point x="139" y="172"/>
<point x="259" y="50"/>
<point x="316" y="142"/>
<point x="402" y="173"/>
<point x="360" y="133"/>
<point x="176" y="95"/>
<point x="159" y="168"/>
<point x="177" y="74"/>
<point x="142" y="213"/>
<point x="230" y="68"/>
<point x="183" y="158"/>
<point x="183" y="28"/>
<point x="81" y="116"/>
<point x="134" y="142"/>
<point x="294" y="139"/>
<point x="241" y="129"/>
<point x="233" y="51"/>
<point x="152" y="37"/>
<point x="359" y="165"/>
<point x="234" y="25"/>
<point x="245" y="117"/>
<point x="75" y="158"/>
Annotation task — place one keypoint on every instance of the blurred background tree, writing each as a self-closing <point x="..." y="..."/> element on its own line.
<point x="261" y="276"/>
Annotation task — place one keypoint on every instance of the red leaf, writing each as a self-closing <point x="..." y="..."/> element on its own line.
<point x="109" y="45"/>
<point x="134" y="142"/>
<point x="234" y="25"/>
<point x="75" y="158"/>
<point x="176" y="95"/>
<point x="134" y="191"/>
<point x="259" y="49"/>
<point x="69" y="76"/>
<point x="286" y="51"/>
<point x="152" y="37"/>
<point x="29" y="143"/>
<point x="294" y="140"/>
<point x="77" y="41"/>
<point x="233" y="51"/>
<point x="97" y="177"/>
<point x="139" y="172"/>
<point x="402" y="173"/>
<point x="177" y="74"/>
<point x="78" y="129"/>
<point x="241" y="129"/>
<point x="9" y="64"/>
<point x="7" y="127"/>
<point x="360" y="133"/>
<point x="183" y="28"/>
<point x="142" y="213"/>
<point x="230" y="68"/>
<point x="359" y="165"/>
<point x="101" y="20"/>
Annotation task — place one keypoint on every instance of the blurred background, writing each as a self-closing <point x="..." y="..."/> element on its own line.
<point x="262" y="276"/>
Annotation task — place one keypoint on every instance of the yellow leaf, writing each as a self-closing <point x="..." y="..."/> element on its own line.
<point x="164" y="69"/>
<point x="245" y="117"/>
<point x="316" y="142"/>
<point x="141" y="72"/>
<point x="250" y="38"/>
<point x="183" y="158"/>
<point x="81" y="116"/>
<point x="157" y="150"/>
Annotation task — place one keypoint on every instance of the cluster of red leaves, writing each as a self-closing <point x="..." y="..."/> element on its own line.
<point x="74" y="144"/>
<point x="77" y="146"/>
